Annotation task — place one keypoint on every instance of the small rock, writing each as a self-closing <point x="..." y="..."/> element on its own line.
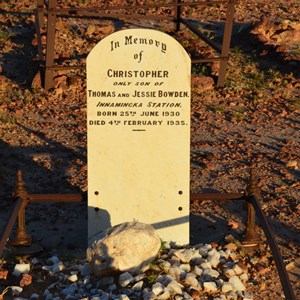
<point x="231" y="246"/>
<point x="70" y="289"/>
<point x="211" y="272"/>
<point x="26" y="280"/>
<point x="20" y="269"/>
<point x="84" y="269"/>
<point x="165" y="295"/>
<point x="191" y="280"/>
<point x="123" y="297"/>
<point x="58" y="267"/>
<point x="105" y="281"/>
<point x="3" y="274"/>
<point x="292" y="164"/>
<point x="198" y="271"/>
<point x="175" y="287"/>
<point x="157" y="288"/>
<point x="205" y="249"/>
<point x="185" y="255"/>
<point x="244" y="277"/>
<point x="210" y="287"/>
<point x="236" y="283"/>
<point x="226" y="287"/>
<point x="73" y="278"/>
<point x="125" y="279"/>
<point x="206" y="265"/>
<point x="177" y="273"/>
<point x="237" y="269"/>
<point x="138" y="286"/>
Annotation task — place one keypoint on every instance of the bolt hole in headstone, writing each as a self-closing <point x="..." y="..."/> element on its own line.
<point x="138" y="111"/>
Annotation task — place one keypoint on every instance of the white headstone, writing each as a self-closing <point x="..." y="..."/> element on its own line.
<point x="138" y="91"/>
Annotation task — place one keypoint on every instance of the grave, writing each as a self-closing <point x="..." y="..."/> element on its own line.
<point x="138" y="111"/>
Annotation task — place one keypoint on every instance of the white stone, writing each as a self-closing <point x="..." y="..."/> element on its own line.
<point x="177" y="273"/>
<point x="73" y="278"/>
<point x="206" y="265"/>
<point x="211" y="272"/>
<point x="226" y="287"/>
<point x="210" y="287"/>
<point x="213" y="258"/>
<point x="70" y="289"/>
<point x="123" y="297"/>
<point x="139" y="277"/>
<point x="157" y="288"/>
<point x="233" y="256"/>
<point x="205" y="249"/>
<point x="165" y="295"/>
<point x="125" y="279"/>
<point x="138" y="286"/>
<point x="186" y="255"/>
<point x="237" y="269"/>
<point x="112" y="287"/>
<point x="236" y="283"/>
<point x="244" y="277"/>
<point x="20" y="269"/>
<point x="223" y="254"/>
<point x="84" y="269"/>
<point x="53" y="260"/>
<point x="228" y="272"/>
<point x="198" y="271"/>
<point x="16" y="290"/>
<point x="49" y="297"/>
<point x="185" y="267"/>
<point x="58" y="267"/>
<point x="191" y="280"/>
<point x="175" y="287"/>
<point x="126" y="247"/>
<point x="187" y="296"/>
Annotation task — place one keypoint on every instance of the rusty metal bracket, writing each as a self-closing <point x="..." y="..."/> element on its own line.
<point x="281" y="269"/>
<point x="52" y="12"/>
<point x="22" y="238"/>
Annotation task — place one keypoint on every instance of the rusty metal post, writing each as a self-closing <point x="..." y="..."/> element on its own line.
<point x="177" y="15"/>
<point x="251" y="238"/>
<point x="40" y="12"/>
<point x="226" y="43"/>
<point x="39" y="23"/>
<point x="51" y="17"/>
<point x="22" y="238"/>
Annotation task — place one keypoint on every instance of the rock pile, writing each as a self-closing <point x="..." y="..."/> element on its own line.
<point x="177" y="273"/>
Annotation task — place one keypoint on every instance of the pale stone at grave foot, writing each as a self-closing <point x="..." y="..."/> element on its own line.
<point x="126" y="247"/>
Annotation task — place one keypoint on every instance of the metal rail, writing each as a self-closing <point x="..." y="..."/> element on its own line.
<point x="22" y="238"/>
<point x="52" y="12"/>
